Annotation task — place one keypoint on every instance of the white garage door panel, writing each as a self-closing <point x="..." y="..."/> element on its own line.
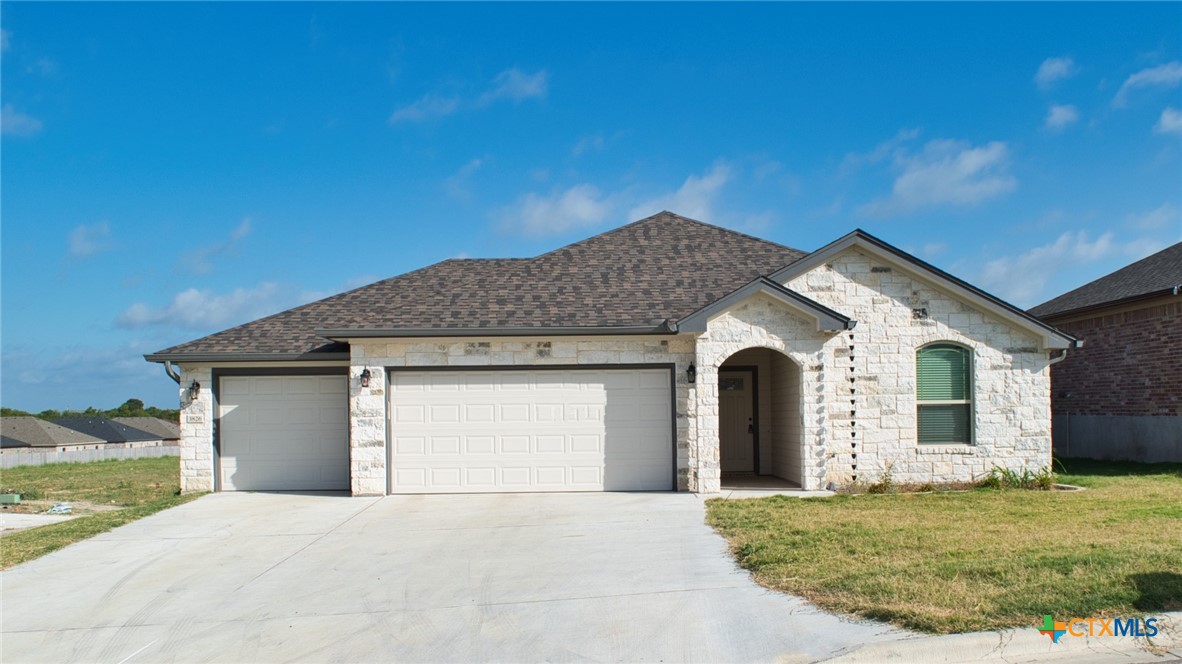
<point x="284" y="433"/>
<point x="545" y="430"/>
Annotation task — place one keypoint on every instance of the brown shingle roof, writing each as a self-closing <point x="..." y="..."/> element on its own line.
<point x="36" y="432"/>
<point x="661" y="268"/>
<point x="1157" y="273"/>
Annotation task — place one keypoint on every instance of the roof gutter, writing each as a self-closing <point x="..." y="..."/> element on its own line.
<point x="244" y="357"/>
<point x="172" y="373"/>
<point x="344" y="334"/>
<point x="1164" y="292"/>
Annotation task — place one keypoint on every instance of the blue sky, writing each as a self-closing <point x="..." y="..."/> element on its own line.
<point x="169" y="170"/>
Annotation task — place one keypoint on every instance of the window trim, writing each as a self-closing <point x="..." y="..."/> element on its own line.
<point x="971" y="401"/>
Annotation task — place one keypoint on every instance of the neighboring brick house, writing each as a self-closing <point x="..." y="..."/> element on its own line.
<point x="661" y="355"/>
<point x="1119" y="396"/>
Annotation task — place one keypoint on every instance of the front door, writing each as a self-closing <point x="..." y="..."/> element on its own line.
<point x="736" y="420"/>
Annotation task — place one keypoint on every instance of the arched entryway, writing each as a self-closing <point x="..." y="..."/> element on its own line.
<point x="760" y="424"/>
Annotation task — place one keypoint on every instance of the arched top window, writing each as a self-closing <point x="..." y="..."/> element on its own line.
<point x="944" y="394"/>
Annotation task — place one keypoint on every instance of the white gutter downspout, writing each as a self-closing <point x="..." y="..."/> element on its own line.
<point x="172" y="373"/>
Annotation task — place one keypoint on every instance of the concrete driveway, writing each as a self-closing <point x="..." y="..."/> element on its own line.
<point x="512" y="577"/>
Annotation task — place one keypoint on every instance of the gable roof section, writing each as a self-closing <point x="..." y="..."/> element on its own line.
<point x="1052" y="337"/>
<point x="105" y="430"/>
<point x="1152" y="276"/>
<point x="27" y="431"/>
<point x="826" y="318"/>
<point x="639" y="278"/>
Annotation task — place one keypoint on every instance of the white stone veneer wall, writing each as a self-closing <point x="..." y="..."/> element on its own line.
<point x="196" y="443"/>
<point x="367" y="417"/>
<point x="760" y="322"/>
<point x="1012" y="423"/>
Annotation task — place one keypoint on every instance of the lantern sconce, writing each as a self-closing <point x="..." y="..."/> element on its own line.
<point x="691" y="374"/>
<point x="365" y="377"/>
<point x="194" y="391"/>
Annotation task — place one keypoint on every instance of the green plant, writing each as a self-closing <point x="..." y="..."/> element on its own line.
<point x="1008" y="478"/>
<point x="886" y="483"/>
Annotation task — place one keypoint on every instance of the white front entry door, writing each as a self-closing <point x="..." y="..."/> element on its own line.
<point x="283" y="433"/>
<point x="531" y="430"/>
<point x="736" y="421"/>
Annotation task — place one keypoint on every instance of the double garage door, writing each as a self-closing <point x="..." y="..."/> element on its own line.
<point x="458" y="431"/>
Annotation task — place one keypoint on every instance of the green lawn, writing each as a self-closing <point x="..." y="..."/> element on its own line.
<point x="138" y="487"/>
<point x="982" y="559"/>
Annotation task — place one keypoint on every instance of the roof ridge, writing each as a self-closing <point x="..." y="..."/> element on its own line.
<point x="667" y="213"/>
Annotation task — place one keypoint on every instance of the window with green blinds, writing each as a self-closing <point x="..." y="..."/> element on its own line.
<point x="944" y="394"/>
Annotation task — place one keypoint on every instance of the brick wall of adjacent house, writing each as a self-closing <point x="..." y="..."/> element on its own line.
<point x="1130" y="364"/>
<point x="367" y="405"/>
<point x="897" y="314"/>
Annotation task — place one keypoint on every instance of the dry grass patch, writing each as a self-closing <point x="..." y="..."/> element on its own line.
<point x="125" y="490"/>
<point x="983" y="559"/>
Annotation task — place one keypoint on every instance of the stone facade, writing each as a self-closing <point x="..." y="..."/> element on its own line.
<point x="856" y="388"/>
<point x="873" y="407"/>
<point x="196" y="430"/>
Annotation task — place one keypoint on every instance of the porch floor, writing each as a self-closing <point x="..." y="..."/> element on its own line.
<point x="750" y="485"/>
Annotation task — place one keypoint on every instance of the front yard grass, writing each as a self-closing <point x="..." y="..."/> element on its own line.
<point x="976" y="560"/>
<point x="108" y="493"/>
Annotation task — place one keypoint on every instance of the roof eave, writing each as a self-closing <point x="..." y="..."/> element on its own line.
<point x="344" y="334"/>
<point x="1052" y="338"/>
<point x="1172" y="290"/>
<point x="246" y="357"/>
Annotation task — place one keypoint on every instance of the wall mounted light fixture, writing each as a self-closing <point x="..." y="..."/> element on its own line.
<point x="194" y="391"/>
<point x="365" y="377"/>
<point x="691" y="374"/>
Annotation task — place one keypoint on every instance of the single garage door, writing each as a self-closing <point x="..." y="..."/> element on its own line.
<point x="284" y="433"/>
<point x="536" y="430"/>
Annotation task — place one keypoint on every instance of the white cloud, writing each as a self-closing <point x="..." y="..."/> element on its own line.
<point x="15" y="123"/>
<point x="200" y="260"/>
<point x="1167" y="75"/>
<point x="946" y="173"/>
<point x="580" y="206"/>
<point x="89" y="240"/>
<point x="205" y="310"/>
<point x="884" y="150"/>
<point x="430" y="105"/>
<point x="1060" y="116"/>
<point x="516" y="85"/>
<point x="1163" y="216"/>
<point x="592" y="143"/>
<point x="1022" y="279"/>
<point x="695" y="198"/>
<point x="1054" y="69"/>
<point x="5" y="40"/>
<point x="457" y="184"/>
<point x="1170" y="122"/>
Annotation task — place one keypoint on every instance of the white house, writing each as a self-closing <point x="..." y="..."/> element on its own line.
<point x="661" y="355"/>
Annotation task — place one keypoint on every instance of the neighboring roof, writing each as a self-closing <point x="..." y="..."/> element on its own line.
<point x="35" y="432"/>
<point x="6" y="442"/>
<point x="637" y="278"/>
<point x="860" y="239"/>
<point x="1159" y="274"/>
<point x="163" y="429"/>
<point x="105" y="430"/>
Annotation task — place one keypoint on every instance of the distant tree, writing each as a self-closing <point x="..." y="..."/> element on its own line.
<point x="131" y="408"/>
